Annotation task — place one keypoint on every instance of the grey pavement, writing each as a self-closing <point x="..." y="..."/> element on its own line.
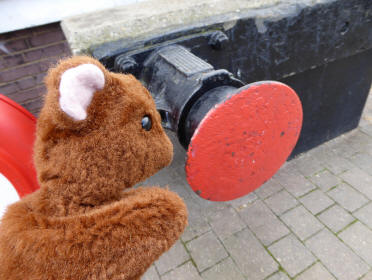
<point x="311" y="221"/>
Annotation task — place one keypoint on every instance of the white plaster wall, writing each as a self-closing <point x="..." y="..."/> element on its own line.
<point x="20" y="14"/>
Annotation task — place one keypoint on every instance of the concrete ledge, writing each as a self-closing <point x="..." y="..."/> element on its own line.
<point x="21" y="14"/>
<point x="155" y="17"/>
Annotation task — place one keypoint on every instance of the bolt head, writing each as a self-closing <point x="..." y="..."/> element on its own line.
<point x="218" y="40"/>
<point x="126" y="65"/>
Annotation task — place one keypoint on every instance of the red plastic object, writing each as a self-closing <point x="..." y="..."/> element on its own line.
<point x="17" y="133"/>
<point x="242" y="142"/>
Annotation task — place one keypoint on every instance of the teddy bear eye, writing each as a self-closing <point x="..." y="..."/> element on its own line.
<point x="146" y="123"/>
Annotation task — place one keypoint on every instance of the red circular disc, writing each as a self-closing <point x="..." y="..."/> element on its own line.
<point x="243" y="141"/>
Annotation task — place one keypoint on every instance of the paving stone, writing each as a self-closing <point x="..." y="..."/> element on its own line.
<point x="292" y="255"/>
<point x="284" y="170"/>
<point x="295" y="183"/>
<point x="316" y="201"/>
<point x="325" y="180"/>
<point x="206" y="250"/>
<point x="365" y="214"/>
<point x="339" y="259"/>
<point x="250" y="256"/>
<point x="308" y="165"/>
<point x="185" y="272"/>
<point x="198" y="223"/>
<point x="242" y="202"/>
<point x="354" y="141"/>
<point x="359" y="238"/>
<point x="368" y="276"/>
<point x="347" y="197"/>
<point x="224" y="270"/>
<point x="316" y="272"/>
<point x="302" y="223"/>
<point x="336" y="218"/>
<point x="364" y="122"/>
<point x="281" y="202"/>
<point x="340" y="145"/>
<point x="225" y="222"/>
<point x="337" y="164"/>
<point x="174" y="257"/>
<point x="195" y="230"/>
<point x="366" y="128"/>
<point x="161" y="178"/>
<point x="360" y="180"/>
<point x="363" y="161"/>
<point x="151" y="274"/>
<point x="321" y="152"/>
<point x="267" y="227"/>
<point x="180" y="186"/>
<point x="205" y="207"/>
<point x="358" y="141"/>
<point x="169" y="177"/>
<point x="279" y="276"/>
<point x="179" y="155"/>
<point x="268" y="189"/>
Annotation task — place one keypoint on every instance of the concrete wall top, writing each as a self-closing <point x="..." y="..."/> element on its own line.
<point x="155" y="17"/>
<point x="20" y="14"/>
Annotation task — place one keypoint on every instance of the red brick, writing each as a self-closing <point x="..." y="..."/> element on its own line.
<point x="40" y="78"/>
<point x="47" y="28"/>
<point x="47" y="63"/>
<point x="16" y="34"/>
<point x="25" y="83"/>
<point x="34" y="106"/>
<point x="55" y="50"/>
<point x="46" y="38"/>
<point x="24" y="96"/>
<point x="11" y="61"/>
<point x="19" y="72"/>
<point x="36" y="111"/>
<point x="33" y="55"/>
<point x="66" y="48"/>
<point x="16" y="45"/>
<point x="8" y="89"/>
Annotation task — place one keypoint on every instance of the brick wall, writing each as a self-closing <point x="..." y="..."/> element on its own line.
<point x="25" y="56"/>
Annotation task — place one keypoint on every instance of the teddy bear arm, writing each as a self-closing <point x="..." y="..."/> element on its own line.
<point x="158" y="218"/>
<point x="154" y="213"/>
<point x="127" y="236"/>
<point x="117" y="241"/>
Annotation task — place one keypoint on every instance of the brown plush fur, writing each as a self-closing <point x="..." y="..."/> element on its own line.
<point x="81" y="225"/>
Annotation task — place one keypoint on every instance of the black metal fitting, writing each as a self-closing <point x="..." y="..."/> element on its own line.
<point x="177" y="80"/>
<point x="218" y="40"/>
<point x="126" y="64"/>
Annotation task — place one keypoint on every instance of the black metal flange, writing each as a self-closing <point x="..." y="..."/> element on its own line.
<point x="172" y="70"/>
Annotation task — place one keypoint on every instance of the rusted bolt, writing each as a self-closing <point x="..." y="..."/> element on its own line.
<point x="218" y="40"/>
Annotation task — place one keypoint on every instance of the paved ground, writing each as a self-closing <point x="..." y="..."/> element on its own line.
<point x="313" y="220"/>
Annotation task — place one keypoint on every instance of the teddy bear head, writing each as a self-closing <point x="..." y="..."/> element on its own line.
<point x="98" y="133"/>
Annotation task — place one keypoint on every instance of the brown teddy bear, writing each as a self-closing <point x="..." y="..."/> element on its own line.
<point x="98" y="134"/>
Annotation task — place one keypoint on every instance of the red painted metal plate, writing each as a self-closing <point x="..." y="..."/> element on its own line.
<point x="242" y="142"/>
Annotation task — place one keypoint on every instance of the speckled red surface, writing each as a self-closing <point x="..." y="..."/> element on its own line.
<point x="242" y="142"/>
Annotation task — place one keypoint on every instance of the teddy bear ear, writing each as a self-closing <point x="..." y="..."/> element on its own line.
<point x="77" y="87"/>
